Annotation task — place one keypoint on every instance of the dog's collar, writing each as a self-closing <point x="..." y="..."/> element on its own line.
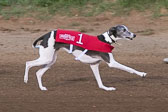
<point x="110" y="39"/>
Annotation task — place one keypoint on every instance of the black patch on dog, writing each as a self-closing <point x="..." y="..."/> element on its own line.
<point x="102" y="38"/>
<point x="113" y="31"/>
<point x="55" y="32"/>
<point x="44" y="42"/>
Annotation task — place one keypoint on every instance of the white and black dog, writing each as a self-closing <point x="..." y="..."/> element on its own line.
<point x="48" y="53"/>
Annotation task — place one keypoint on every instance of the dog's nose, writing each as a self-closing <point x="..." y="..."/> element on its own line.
<point x="134" y="35"/>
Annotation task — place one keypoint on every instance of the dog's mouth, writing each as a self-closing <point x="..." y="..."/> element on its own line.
<point x="129" y="38"/>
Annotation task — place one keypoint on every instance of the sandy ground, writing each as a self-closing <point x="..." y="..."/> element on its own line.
<point x="71" y="85"/>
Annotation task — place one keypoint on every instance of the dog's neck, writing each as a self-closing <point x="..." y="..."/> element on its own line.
<point x="106" y="38"/>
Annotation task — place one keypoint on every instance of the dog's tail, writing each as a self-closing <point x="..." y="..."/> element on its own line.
<point x="36" y="41"/>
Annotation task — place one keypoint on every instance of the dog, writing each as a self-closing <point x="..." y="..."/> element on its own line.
<point x="49" y="47"/>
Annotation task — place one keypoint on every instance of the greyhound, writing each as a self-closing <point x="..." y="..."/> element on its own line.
<point x="49" y="47"/>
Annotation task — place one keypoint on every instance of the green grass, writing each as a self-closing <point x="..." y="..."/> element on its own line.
<point x="45" y="9"/>
<point x="142" y="5"/>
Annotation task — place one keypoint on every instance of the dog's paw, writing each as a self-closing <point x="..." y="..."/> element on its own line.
<point x="142" y="74"/>
<point x="25" y="80"/>
<point x="108" y="88"/>
<point x="43" y="88"/>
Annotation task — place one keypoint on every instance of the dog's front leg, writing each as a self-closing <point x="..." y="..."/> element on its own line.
<point x="95" y="69"/>
<point x="115" y="64"/>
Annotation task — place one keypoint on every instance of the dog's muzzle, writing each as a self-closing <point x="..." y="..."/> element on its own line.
<point x="131" y="38"/>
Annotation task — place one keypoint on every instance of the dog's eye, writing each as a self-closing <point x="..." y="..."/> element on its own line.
<point x="124" y="30"/>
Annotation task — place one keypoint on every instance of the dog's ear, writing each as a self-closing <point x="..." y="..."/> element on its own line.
<point x="112" y="31"/>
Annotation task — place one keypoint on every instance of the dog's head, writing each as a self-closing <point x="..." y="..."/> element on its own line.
<point x="120" y="32"/>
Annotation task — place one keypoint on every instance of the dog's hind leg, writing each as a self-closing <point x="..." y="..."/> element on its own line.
<point x="40" y="72"/>
<point x="115" y="64"/>
<point x="95" y="69"/>
<point x="39" y="62"/>
<point x="30" y="64"/>
<point x="42" y="60"/>
<point x="46" y="56"/>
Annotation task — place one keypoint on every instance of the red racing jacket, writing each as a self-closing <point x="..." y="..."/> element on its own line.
<point x="82" y="40"/>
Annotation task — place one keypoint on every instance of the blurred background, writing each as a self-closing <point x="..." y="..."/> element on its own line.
<point x="49" y="8"/>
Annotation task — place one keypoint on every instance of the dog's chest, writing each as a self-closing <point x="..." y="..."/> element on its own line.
<point x="82" y="40"/>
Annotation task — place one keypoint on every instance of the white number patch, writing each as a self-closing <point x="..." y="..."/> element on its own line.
<point x="80" y="39"/>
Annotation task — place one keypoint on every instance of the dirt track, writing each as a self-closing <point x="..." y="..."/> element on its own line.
<point x="71" y="85"/>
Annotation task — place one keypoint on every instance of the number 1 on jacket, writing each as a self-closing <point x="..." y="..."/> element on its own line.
<point x="80" y="39"/>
